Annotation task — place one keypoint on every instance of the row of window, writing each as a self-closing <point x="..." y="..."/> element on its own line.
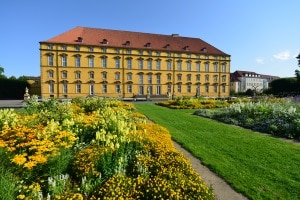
<point x="141" y="88"/>
<point x="91" y="75"/>
<point x="129" y="51"/>
<point x="91" y="63"/>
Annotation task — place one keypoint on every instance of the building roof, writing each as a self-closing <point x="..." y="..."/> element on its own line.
<point x="238" y="73"/>
<point x="117" y="38"/>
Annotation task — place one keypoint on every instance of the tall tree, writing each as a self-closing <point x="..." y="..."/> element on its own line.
<point x="297" y="72"/>
<point x="2" y="76"/>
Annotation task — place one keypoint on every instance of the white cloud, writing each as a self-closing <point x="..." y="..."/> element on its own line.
<point x="260" y="61"/>
<point x="285" y="55"/>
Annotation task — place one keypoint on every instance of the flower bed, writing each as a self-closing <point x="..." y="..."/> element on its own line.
<point x="280" y="118"/>
<point x="193" y="103"/>
<point x="89" y="149"/>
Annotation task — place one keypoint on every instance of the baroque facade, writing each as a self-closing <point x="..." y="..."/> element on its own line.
<point x="111" y="63"/>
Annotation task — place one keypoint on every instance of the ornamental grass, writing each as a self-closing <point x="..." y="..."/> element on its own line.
<point x="92" y="148"/>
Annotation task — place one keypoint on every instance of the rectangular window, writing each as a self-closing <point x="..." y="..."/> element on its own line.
<point x="189" y="88"/>
<point x="104" y="88"/>
<point x="77" y="48"/>
<point x="91" y="75"/>
<point x="78" y="88"/>
<point x="158" y="79"/>
<point x="117" y="51"/>
<point x="117" y="76"/>
<point x="215" y="88"/>
<point x="141" y="64"/>
<point x="50" y="60"/>
<point x="149" y="78"/>
<point x="91" y="61"/>
<point x="158" y="90"/>
<point x="129" y="76"/>
<point x="92" y="89"/>
<point x="77" y="61"/>
<point x="103" y="50"/>
<point x="198" y="77"/>
<point x="129" y="88"/>
<point x="223" y="78"/>
<point x="169" y="63"/>
<point x="179" y="66"/>
<point x="178" y="77"/>
<point x="117" y="64"/>
<point x="198" y="67"/>
<point x="206" y="78"/>
<point x="215" y="78"/>
<point x="224" y="67"/>
<point x="51" y="88"/>
<point x="223" y="88"/>
<point x="64" y="60"/>
<point x="77" y="75"/>
<point x="158" y="65"/>
<point x="50" y="74"/>
<point x="129" y="63"/>
<point x="189" y="77"/>
<point x="189" y="66"/>
<point x="216" y="67"/>
<point x="118" y="88"/>
<point x="91" y="49"/>
<point x="179" y="88"/>
<point x="206" y="67"/>
<point x="63" y="47"/>
<point x="104" y="62"/>
<point x="169" y="77"/>
<point x="169" y="88"/>
<point x="65" y="88"/>
<point x="64" y="74"/>
<point x="104" y="76"/>
<point x="207" y="88"/>
<point x="141" y="90"/>
<point x="141" y="79"/>
<point x="150" y="64"/>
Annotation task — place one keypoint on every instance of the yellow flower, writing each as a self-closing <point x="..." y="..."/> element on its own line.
<point x="2" y="144"/>
<point x="30" y="164"/>
<point x="21" y="196"/>
<point x="19" y="159"/>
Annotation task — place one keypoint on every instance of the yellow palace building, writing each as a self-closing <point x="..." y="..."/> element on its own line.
<point x="85" y="62"/>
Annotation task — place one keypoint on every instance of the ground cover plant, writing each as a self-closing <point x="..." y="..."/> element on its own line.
<point x="280" y="118"/>
<point x="257" y="165"/>
<point x="91" y="148"/>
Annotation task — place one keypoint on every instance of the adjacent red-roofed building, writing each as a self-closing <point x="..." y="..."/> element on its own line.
<point x="131" y="65"/>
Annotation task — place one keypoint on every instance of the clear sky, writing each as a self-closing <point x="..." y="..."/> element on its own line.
<point x="262" y="36"/>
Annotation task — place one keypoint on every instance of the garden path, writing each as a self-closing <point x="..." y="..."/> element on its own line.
<point x="222" y="190"/>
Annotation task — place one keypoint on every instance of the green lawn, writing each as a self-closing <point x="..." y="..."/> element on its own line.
<point x="257" y="165"/>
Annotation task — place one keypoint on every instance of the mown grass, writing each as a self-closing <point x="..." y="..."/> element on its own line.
<point x="257" y="165"/>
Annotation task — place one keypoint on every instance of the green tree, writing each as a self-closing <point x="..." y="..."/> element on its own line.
<point x="2" y="76"/>
<point x="297" y="72"/>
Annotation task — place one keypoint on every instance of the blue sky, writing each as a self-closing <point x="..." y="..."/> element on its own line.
<point x="260" y="35"/>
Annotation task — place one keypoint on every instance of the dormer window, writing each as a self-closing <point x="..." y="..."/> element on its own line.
<point x="148" y="45"/>
<point x="127" y="43"/>
<point x="79" y="39"/>
<point x="105" y="41"/>
<point x="204" y="49"/>
<point x="167" y="46"/>
<point x="186" y="48"/>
